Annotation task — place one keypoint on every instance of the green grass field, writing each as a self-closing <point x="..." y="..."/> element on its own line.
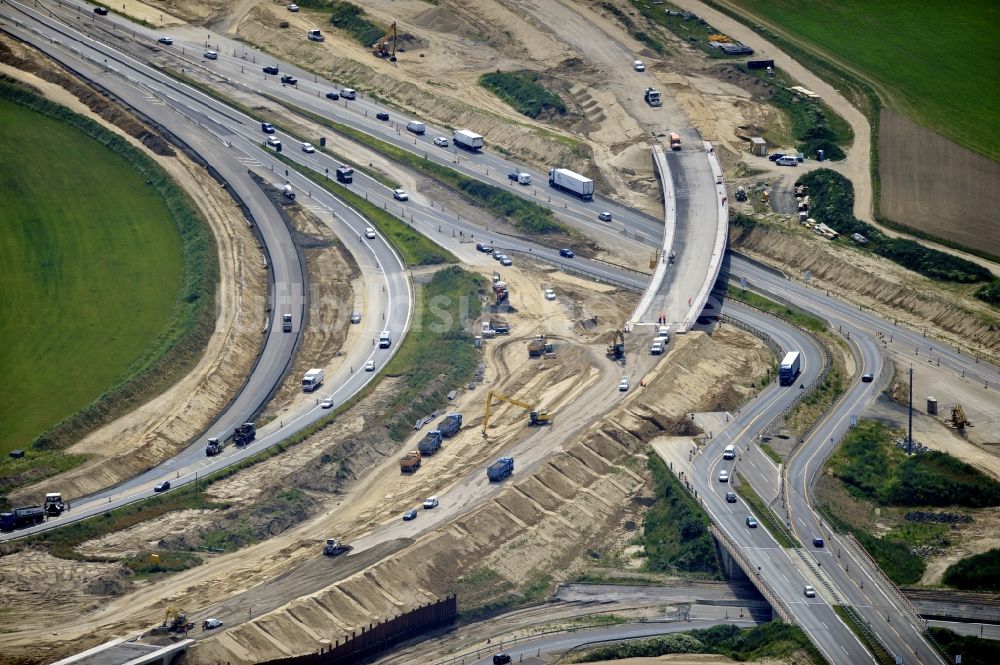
<point x="92" y="270"/>
<point x="936" y="62"/>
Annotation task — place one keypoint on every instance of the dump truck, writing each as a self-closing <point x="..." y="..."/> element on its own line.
<point x="466" y="139"/>
<point x="333" y="547"/>
<point x="410" y="462"/>
<point x="54" y="505"/>
<point x="500" y="291"/>
<point x="500" y="326"/>
<point x="312" y="380"/>
<point x="450" y="425"/>
<point x="286" y="323"/>
<point x="214" y="447"/>
<point x="675" y="141"/>
<point x="18" y="518"/>
<point x="538" y="346"/>
<point x="244" y="434"/>
<point x="652" y="97"/>
<point x="572" y="182"/>
<point x="500" y="469"/>
<point x="789" y="368"/>
<point x="431" y="443"/>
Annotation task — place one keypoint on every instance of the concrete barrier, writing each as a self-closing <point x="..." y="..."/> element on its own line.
<point x="721" y="235"/>
<point x="669" y="226"/>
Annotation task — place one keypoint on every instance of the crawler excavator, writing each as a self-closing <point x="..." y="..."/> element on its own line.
<point x="385" y="47"/>
<point x="537" y="416"/>
<point x="616" y="350"/>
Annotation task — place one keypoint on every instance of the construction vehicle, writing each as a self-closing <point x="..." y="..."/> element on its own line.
<point x="18" y="518"/>
<point x="54" y="505"/>
<point x="500" y="291"/>
<point x="537" y="417"/>
<point x="385" y="47"/>
<point x="450" y="425"/>
<point x="244" y="434"/>
<point x="500" y="326"/>
<point x="503" y="467"/>
<point x="652" y="97"/>
<point x="539" y="346"/>
<point x="410" y="462"/>
<point x="176" y="622"/>
<point x="616" y="350"/>
<point x="675" y="141"/>
<point x="431" y="443"/>
<point x="214" y="447"/>
<point x="287" y="190"/>
<point x="333" y="547"/>
<point x="958" y="419"/>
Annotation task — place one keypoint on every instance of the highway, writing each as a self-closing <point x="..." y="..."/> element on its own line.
<point x="231" y="142"/>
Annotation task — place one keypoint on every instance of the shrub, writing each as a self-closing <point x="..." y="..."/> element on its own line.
<point x="351" y="18"/>
<point x="980" y="572"/>
<point x="523" y="92"/>
<point x="990" y="293"/>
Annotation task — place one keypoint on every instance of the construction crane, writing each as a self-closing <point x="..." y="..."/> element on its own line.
<point x="616" y="350"/>
<point x="385" y="47"/>
<point x="537" y="416"/>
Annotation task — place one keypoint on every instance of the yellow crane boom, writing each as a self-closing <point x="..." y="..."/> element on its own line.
<point x="541" y="417"/>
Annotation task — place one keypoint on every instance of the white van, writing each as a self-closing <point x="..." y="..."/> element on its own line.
<point x="656" y="348"/>
<point x="384" y="339"/>
<point x="416" y="127"/>
<point x="347" y="93"/>
<point x="729" y="452"/>
<point x="787" y="160"/>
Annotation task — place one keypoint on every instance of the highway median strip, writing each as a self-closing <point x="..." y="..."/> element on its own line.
<point x="764" y="514"/>
<point x="864" y="634"/>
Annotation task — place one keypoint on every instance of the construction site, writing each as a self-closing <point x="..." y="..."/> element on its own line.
<point x="547" y="405"/>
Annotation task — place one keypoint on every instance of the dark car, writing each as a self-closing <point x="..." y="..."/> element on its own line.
<point x="501" y="658"/>
<point x="103" y="11"/>
<point x="162" y="487"/>
<point x="381" y="115"/>
<point x="267" y="128"/>
<point x="484" y="248"/>
<point x="410" y="514"/>
<point x="332" y="95"/>
<point x="289" y="79"/>
<point x="513" y="176"/>
<point x="776" y="156"/>
<point x="817" y="541"/>
<point x="568" y="253"/>
<point x="867" y="378"/>
<point x="271" y="69"/>
<point x="731" y="497"/>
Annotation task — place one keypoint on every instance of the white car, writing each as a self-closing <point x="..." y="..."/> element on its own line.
<point x="166" y="40"/>
<point x="639" y="66"/>
<point x="327" y="403"/>
<point x="809" y="591"/>
<point x="369" y="233"/>
<point x="723" y="476"/>
<point x="550" y="294"/>
<point x="293" y="7"/>
<point x="624" y="384"/>
<point x="604" y="217"/>
<point x="212" y="55"/>
<point x="400" y="195"/>
<point x="430" y="502"/>
<point x="273" y="141"/>
<point x="308" y="147"/>
<point x="441" y="141"/>
<point x="370" y="366"/>
<point x="209" y="624"/>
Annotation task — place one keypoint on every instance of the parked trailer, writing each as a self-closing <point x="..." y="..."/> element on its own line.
<point x="18" y="518"/>
<point x="431" y="443"/>
<point x="500" y="469"/>
<point x="789" y="368"/>
<point x="574" y="183"/>
<point x="468" y="140"/>
<point x="450" y="425"/>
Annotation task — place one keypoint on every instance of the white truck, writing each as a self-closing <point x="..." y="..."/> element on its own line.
<point x="312" y="380"/>
<point x="652" y="97"/>
<point x="384" y="339"/>
<point x="316" y="36"/>
<point x="574" y="183"/>
<point x="468" y="140"/>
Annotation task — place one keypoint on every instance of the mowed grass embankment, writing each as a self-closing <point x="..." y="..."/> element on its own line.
<point x="92" y="267"/>
<point x="935" y="62"/>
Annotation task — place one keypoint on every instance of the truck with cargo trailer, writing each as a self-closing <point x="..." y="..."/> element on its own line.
<point x="18" y="518"/>
<point x="468" y="140"/>
<point x="789" y="368"/>
<point x="410" y="462"/>
<point x="245" y="434"/>
<point x="54" y="505"/>
<point x="571" y="182"/>
<point x="312" y="380"/>
<point x="502" y="468"/>
<point x="431" y="443"/>
<point x="450" y="425"/>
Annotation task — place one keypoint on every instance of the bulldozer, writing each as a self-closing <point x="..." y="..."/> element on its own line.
<point x="385" y="47"/>
<point x="537" y="417"/>
<point x="616" y="350"/>
<point x="333" y="547"/>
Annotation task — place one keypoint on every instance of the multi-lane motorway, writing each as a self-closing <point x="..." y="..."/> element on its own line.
<point x="231" y="141"/>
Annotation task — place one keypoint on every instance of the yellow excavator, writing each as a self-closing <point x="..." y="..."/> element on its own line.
<point x="176" y="621"/>
<point x="385" y="47"/>
<point x="538" y="416"/>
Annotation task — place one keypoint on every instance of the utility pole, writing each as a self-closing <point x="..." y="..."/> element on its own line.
<point x="909" y="436"/>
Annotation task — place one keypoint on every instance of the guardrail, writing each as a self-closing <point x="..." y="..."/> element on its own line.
<point x="753" y="574"/>
<point x="903" y="601"/>
<point x="721" y="235"/>
<point x="669" y="226"/>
